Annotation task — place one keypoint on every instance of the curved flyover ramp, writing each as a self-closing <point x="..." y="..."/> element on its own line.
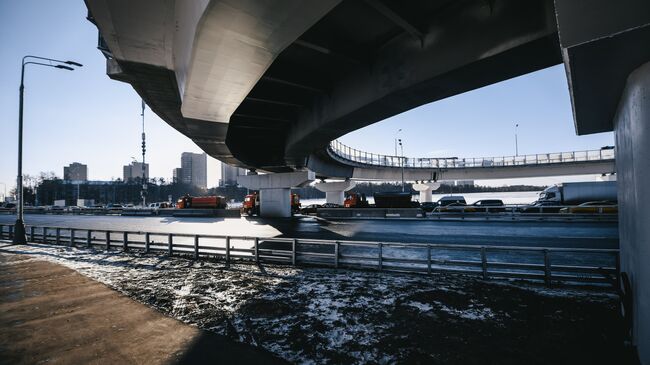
<point x="346" y="162"/>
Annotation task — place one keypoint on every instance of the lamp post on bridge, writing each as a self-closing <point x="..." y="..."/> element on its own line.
<point x="402" y="161"/>
<point x="516" y="143"/>
<point x="396" y="133"/>
<point x="19" y="227"/>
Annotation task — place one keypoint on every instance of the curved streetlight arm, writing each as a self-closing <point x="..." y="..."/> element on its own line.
<point x="53" y="60"/>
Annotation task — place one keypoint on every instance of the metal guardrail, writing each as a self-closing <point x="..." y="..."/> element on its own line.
<point x="339" y="150"/>
<point x="550" y="265"/>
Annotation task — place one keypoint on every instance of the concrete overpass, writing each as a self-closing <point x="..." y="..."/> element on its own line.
<point x="363" y="165"/>
<point x="268" y="84"/>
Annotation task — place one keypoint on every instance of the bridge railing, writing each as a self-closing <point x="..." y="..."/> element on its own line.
<point x="338" y="149"/>
<point x="548" y="265"/>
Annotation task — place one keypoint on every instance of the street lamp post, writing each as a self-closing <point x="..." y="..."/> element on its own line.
<point x="19" y="227"/>
<point x="516" y="144"/>
<point x="402" y="161"/>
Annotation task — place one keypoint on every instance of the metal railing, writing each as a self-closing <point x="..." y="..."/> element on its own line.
<point x="341" y="151"/>
<point x="550" y="265"/>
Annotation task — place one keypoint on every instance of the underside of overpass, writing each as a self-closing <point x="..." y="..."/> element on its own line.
<point x="347" y="65"/>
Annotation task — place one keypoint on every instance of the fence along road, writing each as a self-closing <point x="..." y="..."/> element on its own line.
<point x="550" y="265"/>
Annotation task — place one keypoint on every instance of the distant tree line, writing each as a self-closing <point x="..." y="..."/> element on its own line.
<point x="45" y="188"/>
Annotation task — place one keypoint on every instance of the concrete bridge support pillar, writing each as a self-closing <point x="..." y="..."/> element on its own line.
<point x="335" y="191"/>
<point x="426" y="190"/>
<point x="275" y="190"/>
<point x="632" y="131"/>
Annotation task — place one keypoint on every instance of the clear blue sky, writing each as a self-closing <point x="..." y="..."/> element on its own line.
<point x="86" y="117"/>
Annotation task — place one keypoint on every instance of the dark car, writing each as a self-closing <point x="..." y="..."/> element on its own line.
<point x="451" y="199"/>
<point x="455" y="208"/>
<point x="490" y="205"/>
<point x="310" y="209"/>
<point x="331" y="205"/>
<point x="114" y="208"/>
<point x="541" y="207"/>
<point x="428" y="206"/>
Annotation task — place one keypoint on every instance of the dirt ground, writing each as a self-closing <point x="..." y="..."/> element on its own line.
<point x="325" y="316"/>
<point x="52" y="314"/>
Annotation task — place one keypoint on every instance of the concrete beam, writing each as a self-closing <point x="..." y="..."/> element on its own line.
<point x="277" y="181"/>
<point x="594" y="34"/>
<point x="335" y="191"/>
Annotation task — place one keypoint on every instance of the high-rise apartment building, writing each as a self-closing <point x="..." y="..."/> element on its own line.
<point x="75" y="172"/>
<point x="229" y="174"/>
<point x="177" y="175"/>
<point x="194" y="169"/>
<point x="134" y="171"/>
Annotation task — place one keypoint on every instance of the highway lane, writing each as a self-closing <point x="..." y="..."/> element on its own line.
<point x="519" y="233"/>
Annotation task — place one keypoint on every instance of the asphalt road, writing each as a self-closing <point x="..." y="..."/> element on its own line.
<point x="519" y="233"/>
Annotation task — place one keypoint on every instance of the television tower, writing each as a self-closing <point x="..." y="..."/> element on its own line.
<point x="143" y="192"/>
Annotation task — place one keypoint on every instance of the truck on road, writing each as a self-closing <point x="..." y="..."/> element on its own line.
<point x="251" y="205"/>
<point x="575" y="193"/>
<point x="201" y="202"/>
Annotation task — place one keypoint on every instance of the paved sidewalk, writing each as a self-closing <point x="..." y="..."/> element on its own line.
<point x="49" y="313"/>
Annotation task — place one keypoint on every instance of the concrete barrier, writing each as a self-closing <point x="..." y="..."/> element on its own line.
<point x="219" y="213"/>
<point x="370" y="213"/>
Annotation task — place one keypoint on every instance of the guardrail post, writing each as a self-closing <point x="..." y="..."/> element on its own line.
<point x="484" y="263"/>
<point x="125" y="241"/>
<point x="196" y="247"/>
<point x="108" y="240"/>
<point x="72" y="240"/>
<point x="11" y="232"/>
<point x="257" y="250"/>
<point x="428" y="258"/>
<point x="89" y="238"/>
<point x="2" y="231"/>
<point x="227" y="251"/>
<point x="380" y="262"/>
<point x="293" y="252"/>
<point x="547" y="268"/>
<point x="336" y="254"/>
<point x="170" y="244"/>
<point x="31" y="233"/>
<point x="146" y="242"/>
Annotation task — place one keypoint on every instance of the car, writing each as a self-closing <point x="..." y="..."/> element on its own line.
<point x="455" y="208"/>
<point x="450" y="199"/>
<point x="9" y="205"/>
<point x="428" y="207"/>
<point x="595" y="207"/>
<point x="310" y="209"/>
<point x="490" y="205"/>
<point x="331" y="205"/>
<point x="540" y="207"/>
<point x="114" y="208"/>
<point x="159" y="205"/>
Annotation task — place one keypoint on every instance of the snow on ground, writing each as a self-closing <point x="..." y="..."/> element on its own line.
<point x="324" y="315"/>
